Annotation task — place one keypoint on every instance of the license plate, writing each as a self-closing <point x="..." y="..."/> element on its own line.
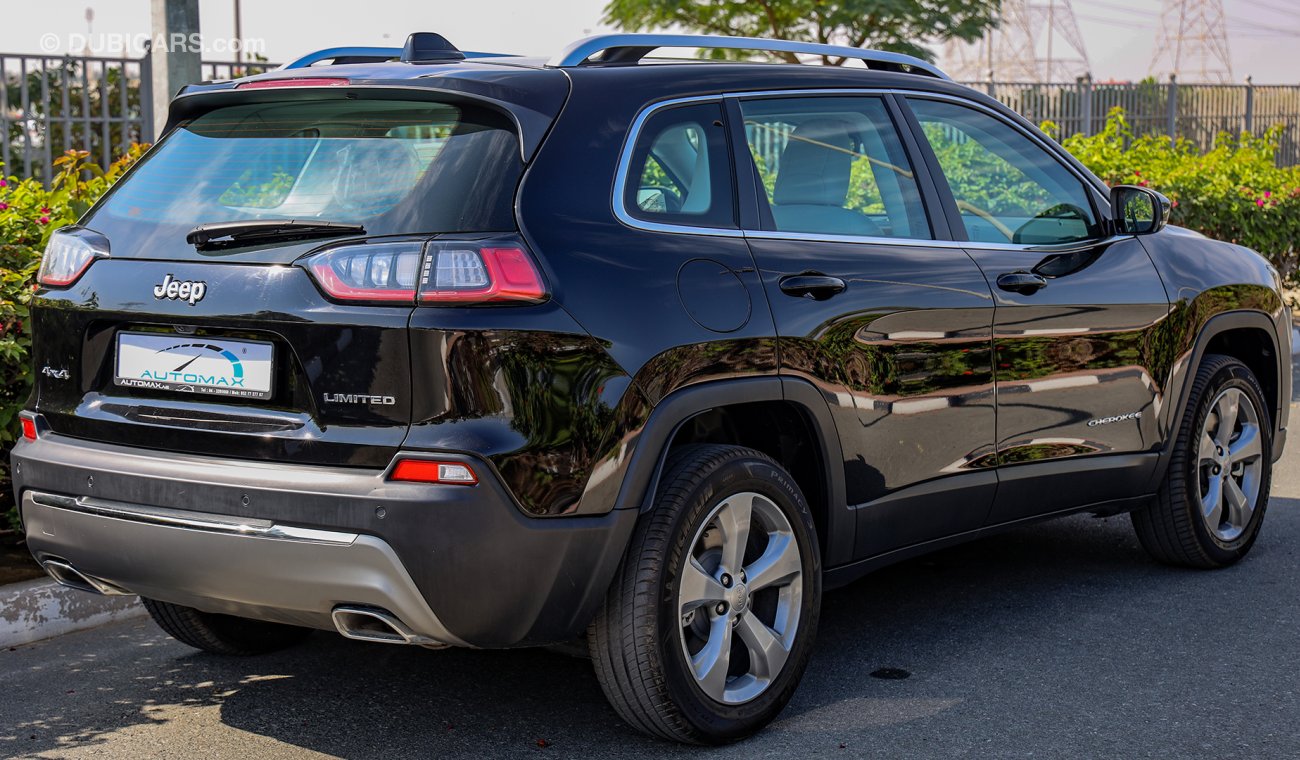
<point x="211" y="366"/>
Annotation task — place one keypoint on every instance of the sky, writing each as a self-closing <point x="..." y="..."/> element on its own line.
<point x="1119" y="34"/>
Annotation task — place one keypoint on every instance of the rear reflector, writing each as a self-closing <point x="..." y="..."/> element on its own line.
<point x="426" y="471"/>
<point x="267" y="84"/>
<point x="29" y="427"/>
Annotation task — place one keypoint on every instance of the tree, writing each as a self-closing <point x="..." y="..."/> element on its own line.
<point x="901" y="26"/>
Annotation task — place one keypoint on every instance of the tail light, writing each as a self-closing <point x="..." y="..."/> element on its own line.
<point x="426" y="471"/>
<point x="68" y="254"/>
<point x="433" y="273"/>
<point x="369" y="271"/>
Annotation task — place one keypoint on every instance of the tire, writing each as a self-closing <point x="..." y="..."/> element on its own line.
<point x="222" y="634"/>
<point x="1178" y="528"/>
<point x="679" y="556"/>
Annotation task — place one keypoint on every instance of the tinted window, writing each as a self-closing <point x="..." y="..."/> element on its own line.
<point x="680" y="171"/>
<point x="834" y="165"/>
<point x="1008" y="188"/>
<point x="393" y="166"/>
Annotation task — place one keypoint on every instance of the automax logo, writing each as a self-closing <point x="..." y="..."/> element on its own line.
<point x="235" y="378"/>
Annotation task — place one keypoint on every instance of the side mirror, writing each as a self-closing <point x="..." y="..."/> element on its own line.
<point x="1138" y="210"/>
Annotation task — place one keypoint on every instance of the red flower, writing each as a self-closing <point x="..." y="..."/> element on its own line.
<point x="46" y="219"/>
<point x="4" y="206"/>
<point x="1259" y="202"/>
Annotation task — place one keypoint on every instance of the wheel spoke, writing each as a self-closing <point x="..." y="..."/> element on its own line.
<point x="1239" y="507"/>
<point x="698" y="587"/>
<point x="1247" y="447"/>
<point x="711" y="663"/>
<point x="1226" y="411"/>
<point x="1212" y="502"/>
<point x="1208" y="452"/>
<point x="733" y="520"/>
<point x="767" y="652"/>
<point x="780" y="562"/>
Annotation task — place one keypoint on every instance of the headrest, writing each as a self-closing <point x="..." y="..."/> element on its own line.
<point x="815" y="165"/>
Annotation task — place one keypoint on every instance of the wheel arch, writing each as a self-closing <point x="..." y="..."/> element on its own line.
<point x="1248" y="336"/>
<point x="748" y="412"/>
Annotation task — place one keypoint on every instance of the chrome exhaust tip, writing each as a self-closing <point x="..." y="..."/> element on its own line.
<point x="378" y="625"/>
<point x="65" y="574"/>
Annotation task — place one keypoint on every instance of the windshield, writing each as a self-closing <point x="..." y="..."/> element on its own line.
<point x="394" y="167"/>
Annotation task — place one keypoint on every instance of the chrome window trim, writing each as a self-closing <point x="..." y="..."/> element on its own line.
<point x="629" y="144"/>
<point x="625" y="166"/>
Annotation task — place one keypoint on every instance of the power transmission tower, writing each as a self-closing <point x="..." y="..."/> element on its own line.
<point x="1193" y="42"/>
<point x="1033" y="42"/>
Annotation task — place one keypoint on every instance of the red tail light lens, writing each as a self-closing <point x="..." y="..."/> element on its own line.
<point x="29" y="425"/>
<point x="380" y="272"/>
<point x="426" y="471"/>
<point x="68" y="254"/>
<point x="458" y="273"/>
<point x="436" y="273"/>
<point x="267" y="84"/>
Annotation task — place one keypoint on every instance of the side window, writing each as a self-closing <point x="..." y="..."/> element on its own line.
<point x="834" y="165"/>
<point x="1008" y="188"/>
<point x="680" y="171"/>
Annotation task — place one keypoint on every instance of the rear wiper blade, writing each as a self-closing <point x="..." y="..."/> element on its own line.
<point x="207" y="237"/>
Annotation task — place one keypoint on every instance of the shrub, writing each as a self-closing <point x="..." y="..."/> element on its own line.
<point x="1233" y="192"/>
<point x="29" y="212"/>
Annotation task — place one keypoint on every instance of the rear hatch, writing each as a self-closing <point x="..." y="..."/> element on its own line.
<point x="278" y="331"/>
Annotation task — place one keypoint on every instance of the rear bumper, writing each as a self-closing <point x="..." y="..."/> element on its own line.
<point x="458" y="565"/>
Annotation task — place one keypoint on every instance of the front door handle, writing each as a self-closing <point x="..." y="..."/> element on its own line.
<point x="812" y="285"/>
<point x="1024" y="283"/>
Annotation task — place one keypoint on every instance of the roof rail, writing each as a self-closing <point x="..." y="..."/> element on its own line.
<point x="367" y="55"/>
<point x="630" y="48"/>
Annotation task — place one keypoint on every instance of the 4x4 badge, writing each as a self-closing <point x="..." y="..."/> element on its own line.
<point x="180" y="290"/>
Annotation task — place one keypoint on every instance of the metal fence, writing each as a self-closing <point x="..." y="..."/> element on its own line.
<point x="51" y="104"/>
<point x="1196" y="112"/>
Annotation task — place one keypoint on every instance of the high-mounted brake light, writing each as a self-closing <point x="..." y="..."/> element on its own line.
<point x="69" y="253"/>
<point x="267" y="84"/>
<point x="437" y="273"/>
<point x="426" y="471"/>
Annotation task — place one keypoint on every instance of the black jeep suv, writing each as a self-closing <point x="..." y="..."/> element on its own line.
<point x="455" y="349"/>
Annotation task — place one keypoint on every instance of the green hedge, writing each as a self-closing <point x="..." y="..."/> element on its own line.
<point x="1234" y="192"/>
<point x="28" y="214"/>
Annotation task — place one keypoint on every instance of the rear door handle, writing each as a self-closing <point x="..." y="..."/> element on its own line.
<point x="1024" y="283"/>
<point x="812" y="285"/>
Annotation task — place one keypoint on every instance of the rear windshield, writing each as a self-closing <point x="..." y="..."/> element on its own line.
<point x="395" y="167"/>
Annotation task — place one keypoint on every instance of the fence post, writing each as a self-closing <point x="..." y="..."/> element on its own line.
<point x="1250" y="105"/>
<point x="1085" y="103"/>
<point x="1171" y="109"/>
<point x="146" y="94"/>
<point x="175" y="63"/>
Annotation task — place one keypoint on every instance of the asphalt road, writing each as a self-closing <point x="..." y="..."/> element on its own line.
<point x="1057" y="640"/>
